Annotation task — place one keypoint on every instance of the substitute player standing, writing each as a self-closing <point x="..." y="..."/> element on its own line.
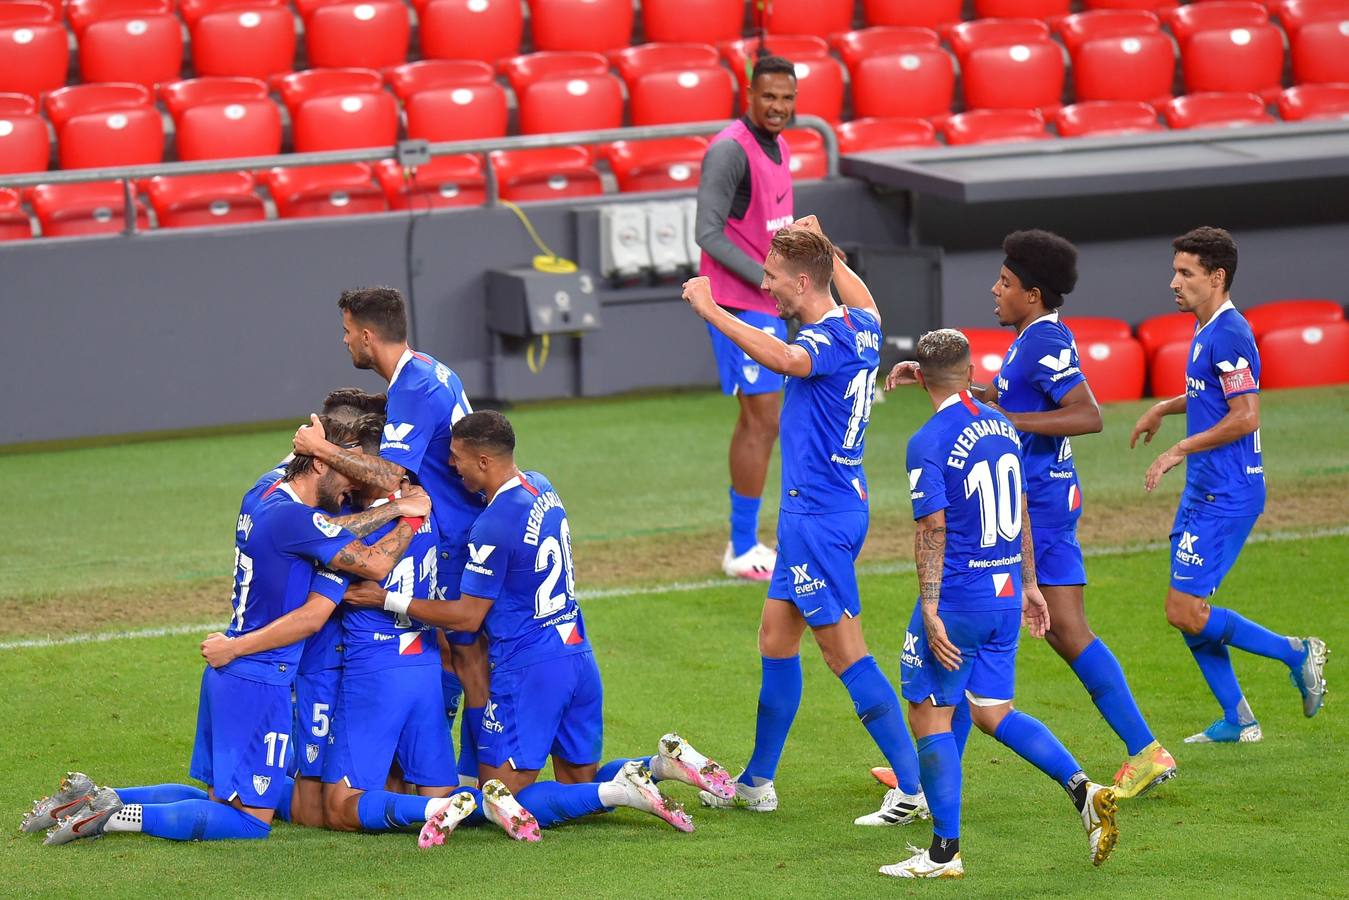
<point x="831" y="368"/>
<point x="1224" y="488"/>
<point x="976" y="580"/>
<point x="744" y="196"/>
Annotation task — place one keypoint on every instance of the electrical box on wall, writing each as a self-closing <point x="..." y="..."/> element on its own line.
<point x="665" y="230"/>
<point x="526" y="302"/>
<point x="624" y="250"/>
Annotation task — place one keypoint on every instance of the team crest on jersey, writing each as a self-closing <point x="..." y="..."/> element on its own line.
<point x="443" y="374"/>
<point x="1235" y="376"/>
<point x="1197" y="347"/>
<point x="1002" y="584"/>
<point x="329" y="529"/>
<point x="311" y="753"/>
<point x="261" y="783"/>
<point x="750" y="371"/>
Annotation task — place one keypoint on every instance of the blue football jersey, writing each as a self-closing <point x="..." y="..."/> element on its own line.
<point x="520" y="558"/>
<point x="373" y="639"/>
<point x="280" y="554"/>
<point x="1040" y="368"/>
<point x="426" y="398"/>
<point x="966" y="459"/>
<point x="255" y="493"/>
<point x="824" y="415"/>
<point x="1227" y="480"/>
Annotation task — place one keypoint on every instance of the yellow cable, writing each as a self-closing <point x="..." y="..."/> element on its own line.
<point x="548" y="261"/>
<point x="537" y="367"/>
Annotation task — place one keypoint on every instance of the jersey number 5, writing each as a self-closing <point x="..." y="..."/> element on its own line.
<point x="999" y="498"/>
<point x="555" y="557"/>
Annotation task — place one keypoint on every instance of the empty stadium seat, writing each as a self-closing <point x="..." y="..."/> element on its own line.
<point x="1168" y="328"/>
<point x="1138" y="67"/>
<point x="486" y="30"/>
<point x="1305" y="356"/>
<point x="339" y="109"/>
<point x="1097" y="328"/>
<point x="1114" y="367"/>
<point x="987" y="348"/>
<point x="1021" y="9"/>
<point x="450" y="100"/>
<point x="581" y="24"/>
<point x="95" y="207"/>
<point x="1166" y="371"/>
<point x="819" y="77"/>
<point x="1215" y="110"/>
<point x="33" y="49"/>
<point x="1292" y="313"/>
<point x="1249" y="58"/>
<point x="1321" y="52"/>
<point x="981" y="126"/>
<point x="1314" y="101"/>
<point x="192" y="201"/>
<point x="1210" y="15"/>
<point x="522" y="71"/>
<point x="670" y="164"/>
<point x="1103" y="117"/>
<point x="344" y="189"/>
<point x="553" y="173"/>
<point x="223" y="118"/>
<point x="24" y="145"/>
<point x="809" y="159"/>
<point x="996" y="33"/>
<point x="105" y="125"/>
<point x="863" y="135"/>
<point x="925" y="13"/>
<point x="1293" y="14"/>
<point x="253" y="41"/>
<point x="571" y="103"/>
<point x="369" y="34"/>
<point x="916" y="82"/>
<point x="138" y="41"/>
<point x="817" y="17"/>
<point x="1106" y="23"/>
<point x="1020" y="76"/>
<point x="444" y="181"/>
<point x="691" y="21"/>
<point x="675" y="83"/>
<point x="14" y="224"/>
<point x="1157" y="6"/>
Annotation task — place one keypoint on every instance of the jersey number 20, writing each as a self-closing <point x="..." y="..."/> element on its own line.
<point x="555" y="557"/>
<point x="999" y="498"/>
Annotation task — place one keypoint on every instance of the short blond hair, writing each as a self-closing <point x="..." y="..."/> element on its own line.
<point x="943" y="355"/>
<point x="806" y="252"/>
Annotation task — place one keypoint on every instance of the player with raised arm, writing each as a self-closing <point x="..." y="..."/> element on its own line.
<point x="547" y="698"/>
<point x="977" y="584"/>
<point x="831" y="377"/>
<point x="1224" y="488"/>
<point x="283" y="554"/>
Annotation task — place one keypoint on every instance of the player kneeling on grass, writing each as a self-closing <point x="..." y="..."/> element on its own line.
<point x="244" y="714"/>
<point x="546" y="695"/>
<point x="976" y="578"/>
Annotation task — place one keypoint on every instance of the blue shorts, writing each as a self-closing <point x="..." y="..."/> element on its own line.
<point x="551" y="708"/>
<point x="449" y="574"/>
<point x="1058" y="556"/>
<point x="987" y="642"/>
<point x="739" y="373"/>
<point x="242" y="746"/>
<point x="315" y="706"/>
<point x="816" y="567"/>
<point x="1204" y="548"/>
<point x="395" y="713"/>
<point x="451" y="690"/>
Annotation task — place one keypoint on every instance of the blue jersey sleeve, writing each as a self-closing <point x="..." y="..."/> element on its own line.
<point x="927" y="484"/>
<point x="408" y="431"/>
<point x="1235" y="364"/>
<point x="307" y="532"/>
<point x="827" y="352"/>
<point x="329" y="583"/>
<point x="1057" y="368"/>
<point x="489" y="557"/>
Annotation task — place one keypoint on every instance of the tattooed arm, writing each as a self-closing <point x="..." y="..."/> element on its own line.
<point x="369" y="520"/>
<point x="1034" y="610"/>
<point x="929" y="554"/>
<point x="310" y="440"/>
<point x="374" y="563"/>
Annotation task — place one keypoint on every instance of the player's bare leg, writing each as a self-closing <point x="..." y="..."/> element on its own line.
<point x="306" y="805"/>
<point x="752" y="440"/>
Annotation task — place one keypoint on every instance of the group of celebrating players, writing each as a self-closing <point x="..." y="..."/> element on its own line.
<point x="453" y="571"/>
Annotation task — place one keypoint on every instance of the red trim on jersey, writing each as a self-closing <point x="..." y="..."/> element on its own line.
<point x="847" y="318"/>
<point x="275" y="484"/>
<point x="969" y="403"/>
<point x="527" y="486"/>
<point x="425" y="359"/>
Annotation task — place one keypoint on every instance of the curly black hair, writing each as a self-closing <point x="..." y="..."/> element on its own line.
<point x="1042" y="259"/>
<point x="1215" y="249"/>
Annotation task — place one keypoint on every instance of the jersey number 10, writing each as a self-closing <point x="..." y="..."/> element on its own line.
<point x="999" y="498"/>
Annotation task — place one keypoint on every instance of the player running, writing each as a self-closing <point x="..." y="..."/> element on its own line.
<point x="976" y="579"/>
<point x="1224" y="488"/>
<point x="831" y="368"/>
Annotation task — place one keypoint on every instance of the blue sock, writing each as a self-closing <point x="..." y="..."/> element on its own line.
<point x="610" y="769"/>
<point x="939" y="766"/>
<point x="779" y="698"/>
<point x="744" y="522"/>
<point x="1227" y="626"/>
<point x="470" y="727"/>
<point x="160" y="793"/>
<point x="1215" y="664"/>
<point x="877" y="705"/>
<point x="553" y="803"/>
<point x="1032" y="741"/>
<point x="1100" y="673"/>
<point x="201" y="820"/>
<point x="960" y="726"/>
<point x="452" y="688"/>
<point x="384" y="811"/>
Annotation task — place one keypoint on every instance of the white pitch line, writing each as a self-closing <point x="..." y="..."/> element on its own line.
<point x="678" y="587"/>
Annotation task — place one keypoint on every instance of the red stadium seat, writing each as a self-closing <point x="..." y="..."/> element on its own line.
<point x="223" y="118"/>
<point x="691" y="21"/>
<point x="33" y="49"/>
<point x="339" y="109"/>
<point x="819" y="77"/>
<point x="1138" y="67"/>
<point x="817" y="17"/>
<point x="987" y="348"/>
<point x="369" y="34"/>
<point x="1097" y="328"/>
<point x="983" y="126"/>
<point x="1106" y="23"/>
<point x="855" y="46"/>
<point x="444" y="181"/>
<point x="633" y="62"/>
<point x="95" y="207"/>
<point x="925" y="13"/>
<point x="996" y="33"/>
<point x="192" y="201"/>
<point x="581" y="24"/>
<point x="571" y="103"/>
<point x="1293" y="14"/>
<point x="522" y="71"/>
<point x="675" y="83"/>
<point x="1168" y="328"/>
<point x="1215" y="15"/>
<point x="1114" y="367"/>
<point x="1157" y="6"/>
<point x="1305" y="356"/>
<point x="24" y="146"/>
<point x="863" y="135"/>
<point x="1021" y="76"/>
<point x="1215" y="110"/>
<point x="1103" y="117"/>
<point x="485" y="30"/>
<point x="1278" y="314"/>
<point x="1166" y="372"/>
<point x="255" y="41"/>
<point x="1321" y="52"/>
<point x="137" y="41"/>
<point x="14" y="224"/>
<point x="918" y="82"/>
<point x="671" y="164"/>
<point x="808" y="157"/>
<point x="1314" y="101"/>
<point x="344" y="189"/>
<point x="548" y="174"/>
<point x="1249" y="58"/>
<point x="450" y="100"/>
<point x="105" y="125"/>
<point x="1021" y="9"/>
<point x="27" y="11"/>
